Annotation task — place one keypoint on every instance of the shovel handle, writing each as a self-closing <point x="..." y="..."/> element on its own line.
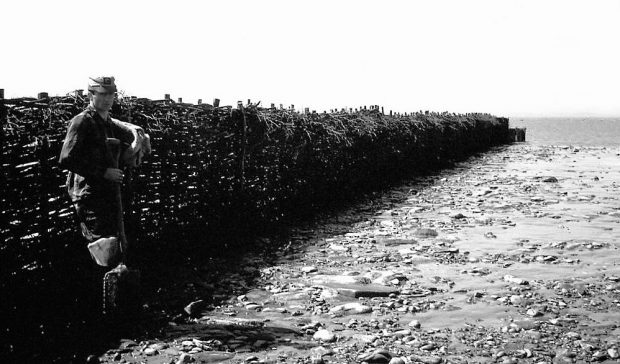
<point x="114" y="149"/>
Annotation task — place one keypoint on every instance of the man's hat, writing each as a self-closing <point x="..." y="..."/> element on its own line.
<point x="102" y="84"/>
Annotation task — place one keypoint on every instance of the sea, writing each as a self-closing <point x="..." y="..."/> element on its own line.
<point x="604" y="132"/>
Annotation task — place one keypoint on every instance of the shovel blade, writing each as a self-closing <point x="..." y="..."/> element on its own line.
<point x="105" y="251"/>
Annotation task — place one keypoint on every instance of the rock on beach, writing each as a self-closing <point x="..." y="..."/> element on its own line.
<point x="353" y="307"/>
<point x="324" y="335"/>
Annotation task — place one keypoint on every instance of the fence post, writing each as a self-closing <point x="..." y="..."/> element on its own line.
<point x="166" y="208"/>
<point x="3" y="115"/>
<point x="44" y="185"/>
<point x="3" y="121"/>
<point x="216" y="102"/>
<point x="242" y="143"/>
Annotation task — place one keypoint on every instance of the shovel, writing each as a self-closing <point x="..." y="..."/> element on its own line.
<point x="121" y="285"/>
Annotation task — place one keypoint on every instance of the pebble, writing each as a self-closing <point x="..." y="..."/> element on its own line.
<point x="321" y="351"/>
<point x="150" y="351"/>
<point x="430" y="360"/>
<point x="368" y="339"/>
<point x="428" y="347"/>
<point x="401" y="333"/>
<point x="534" y="313"/>
<point x="613" y="353"/>
<point x="194" y="308"/>
<point x="513" y="279"/>
<point x="309" y="269"/>
<point x="126" y="344"/>
<point x="159" y="346"/>
<point x="572" y="335"/>
<point x="324" y="335"/>
<point x="415" y="324"/>
<point x="379" y="356"/>
<point x="564" y="355"/>
<point x="425" y="233"/>
<point x="397" y="360"/>
<point x="525" y="353"/>
<point x="516" y="300"/>
<point x="387" y="223"/>
<point x="171" y="352"/>
<point x="185" y="358"/>
<point x="484" y="220"/>
<point x="352" y="307"/>
<point x="599" y="355"/>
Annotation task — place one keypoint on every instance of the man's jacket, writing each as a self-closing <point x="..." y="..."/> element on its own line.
<point x="85" y="155"/>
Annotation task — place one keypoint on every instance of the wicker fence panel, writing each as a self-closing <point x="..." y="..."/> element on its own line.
<point x="215" y="173"/>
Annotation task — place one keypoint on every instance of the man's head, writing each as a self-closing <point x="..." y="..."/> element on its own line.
<point x="102" y="91"/>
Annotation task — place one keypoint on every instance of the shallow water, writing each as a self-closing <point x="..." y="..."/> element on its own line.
<point x="570" y="131"/>
<point x="509" y="211"/>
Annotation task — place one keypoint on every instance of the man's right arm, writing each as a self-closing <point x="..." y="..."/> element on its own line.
<point x="74" y="155"/>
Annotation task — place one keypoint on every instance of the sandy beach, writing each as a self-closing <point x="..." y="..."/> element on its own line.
<point x="510" y="257"/>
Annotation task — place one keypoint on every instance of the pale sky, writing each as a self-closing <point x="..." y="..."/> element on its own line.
<point x="508" y="58"/>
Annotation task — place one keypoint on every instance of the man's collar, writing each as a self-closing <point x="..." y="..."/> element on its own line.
<point x="91" y="110"/>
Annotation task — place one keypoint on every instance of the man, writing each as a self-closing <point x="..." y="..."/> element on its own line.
<point x="92" y="176"/>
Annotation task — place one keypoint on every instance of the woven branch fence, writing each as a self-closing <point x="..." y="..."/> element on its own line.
<point x="216" y="175"/>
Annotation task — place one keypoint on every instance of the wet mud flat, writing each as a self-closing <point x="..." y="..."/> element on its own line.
<point x="509" y="257"/>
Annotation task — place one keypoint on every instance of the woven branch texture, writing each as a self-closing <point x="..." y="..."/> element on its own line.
<point x="216" y="175"/>
<point x="219" y="172"/>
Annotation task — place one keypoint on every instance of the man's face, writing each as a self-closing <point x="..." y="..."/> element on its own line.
<point x="102" y="101"/>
